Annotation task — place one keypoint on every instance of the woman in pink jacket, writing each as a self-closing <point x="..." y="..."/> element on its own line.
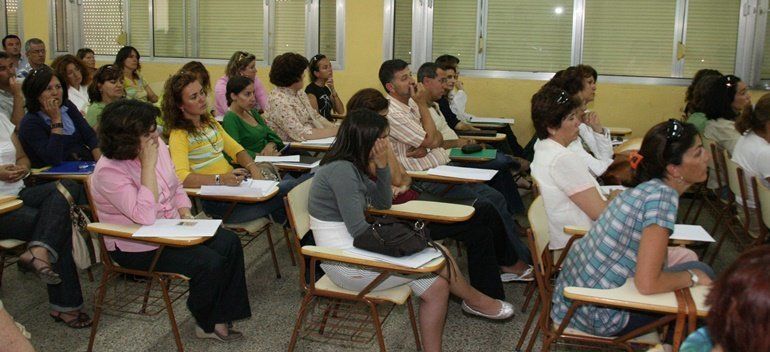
<point x="240" y="64"/>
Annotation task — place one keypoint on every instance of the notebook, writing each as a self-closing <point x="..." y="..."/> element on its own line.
<point x="72" y="168"/>
<point x="457" y="153"/>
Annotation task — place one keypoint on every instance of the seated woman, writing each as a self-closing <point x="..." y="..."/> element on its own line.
<point x="243" y="122"/>
<point x="343" y="188"/>
<point x="290" y="114"/>
<point x="698" y="119"/>
<point x="53" y="130"/>
<point x="106" y="87"/>
<point x="88" y="57"/>
<point x="135" y="184"/>
<point x="580" y="81"/>
<point x="721" y="99"/>
<point x="127" y="60"/>
<point x="630" y="238"/>
<point x="199" y="70"/>
<point x="76" y="74"/>
<point x="738" y="308"/>
<point x="323" y="98"/>
<point x="198" y="145"/>
<point x="240" y="64"/>
<point x="492" y="259"/>
<point x="44" y="222"/>
<point x="752" y="153"/>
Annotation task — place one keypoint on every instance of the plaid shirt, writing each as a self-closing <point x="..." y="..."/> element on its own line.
<point x="606" y="257"/>
<point x="407" y="133"/>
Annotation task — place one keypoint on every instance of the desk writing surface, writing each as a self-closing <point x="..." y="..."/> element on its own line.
<point x="424" y="176"/>
<point x="126" y="232"/>
<point x="10" y="205"/>
<point x="193" y="193"/>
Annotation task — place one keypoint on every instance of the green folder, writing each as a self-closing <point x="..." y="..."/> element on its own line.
<point x="457" y="153"/>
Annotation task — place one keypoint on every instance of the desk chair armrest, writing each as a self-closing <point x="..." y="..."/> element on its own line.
<point x="4" y="199"/>
<point x="424" y="176"/>
<point x="428" y="211"/>
<point x="625" y="297"/>
<point x="126" y="232"/>
<point x="491" y="126"/>
<point x="193" y="193"/>
<point x="10" y="205"/>
<point x="339" y="255"/>
<point x="578" y="231"/>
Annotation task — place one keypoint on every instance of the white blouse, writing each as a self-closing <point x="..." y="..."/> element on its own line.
<point x="79" y="97"/>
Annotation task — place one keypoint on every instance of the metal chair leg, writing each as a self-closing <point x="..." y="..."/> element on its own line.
<point x="272" y="253"/>
<point x="300" y="317"/>
<point x="164" y="287"/>
<point x="413" y="320"/>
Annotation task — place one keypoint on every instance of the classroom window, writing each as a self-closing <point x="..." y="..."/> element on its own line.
<point x="402" y="30"/>
<point x="203" y="29"/>
<point x="711" y="37"/>
<point x="454" y="30"/>
<point x="11" y="18"/>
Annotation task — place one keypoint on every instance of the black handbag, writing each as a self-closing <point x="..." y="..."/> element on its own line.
<point x="394" y="237"/>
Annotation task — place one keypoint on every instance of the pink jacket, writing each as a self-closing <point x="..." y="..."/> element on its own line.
<point x="220" y="101"/>
<point x="120" y="197"/>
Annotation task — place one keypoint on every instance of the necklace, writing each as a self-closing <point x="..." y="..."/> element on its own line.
<point x="216" y="149"/>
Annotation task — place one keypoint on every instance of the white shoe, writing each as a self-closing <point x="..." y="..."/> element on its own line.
<point x="506" y="311"/>
<point x="526" y="276"/>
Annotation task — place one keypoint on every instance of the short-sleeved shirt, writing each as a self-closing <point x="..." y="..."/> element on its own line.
<point x="560" y="174"/>
<point x="752" y="153"/>
<point x="441" y="125"/>
<point x="698" y="119"/>
<point x="406" y="133"/>
<point x="252" y="138"/>
<point x="606" y="257"/>
<point x="323" y="96"/>
<point x="291" y="116"/>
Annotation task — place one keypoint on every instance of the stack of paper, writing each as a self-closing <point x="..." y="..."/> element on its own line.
<point x="275" y="159"/>
<point x="691" y="233"/>
<point x="322" y="141"/>
<point x="469" y="173"/>
<point x="248" y="188"/>
<point x="412" y="261"/>
<point x="176" y="228"/>
<point x="491" y="120"/>
<point x="304" y="162"/>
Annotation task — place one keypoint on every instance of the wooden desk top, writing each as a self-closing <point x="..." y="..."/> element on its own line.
<point x="126" y="232"/>
<point x="487" y="126"/>
<point x="498" y="137"/>
<point x="74" y="177"/>
<point x="193" y="193"/>
<point x="619" y="131"/>
<point x="631" y="144"/>
<point x="308" y="147"/>
<point x="472" y="159"/>
<point x="342" y="256"/>
<point x="4" y="199"/>
<point x="10" y="205"/>
<point x="423" y="176"/>
<point x="428" y="211"/>
<point x="627" y="296"/>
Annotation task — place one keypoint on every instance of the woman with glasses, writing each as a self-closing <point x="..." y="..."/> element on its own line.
<point x="76" y="73"/>
<point x="127" y="60"/>
<point x="321" y="93"/>
<point x="53" y="130"/>
<point x="106" y="87"/>
<point x="290" y="115"/>
<point x="721" y="99"/>
<point x="198" y="145"/>
<point x="240" y="64"/>
<point x="630" y="238"/>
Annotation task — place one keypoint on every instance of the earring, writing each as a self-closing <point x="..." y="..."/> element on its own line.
<point x="680" y="180"/>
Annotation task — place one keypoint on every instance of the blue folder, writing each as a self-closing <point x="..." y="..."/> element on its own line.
<point x="72" y="168"/>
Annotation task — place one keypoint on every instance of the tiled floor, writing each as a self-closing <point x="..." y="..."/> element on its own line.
<point x="274" y="303"/>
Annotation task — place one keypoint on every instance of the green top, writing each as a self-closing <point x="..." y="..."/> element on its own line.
<point x="94" y="112"/>
<point x="699" y="120"/>
<point x="252" y="138"/>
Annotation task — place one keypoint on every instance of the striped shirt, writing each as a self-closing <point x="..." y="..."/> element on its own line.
<point x="202" y="153"/>
<point x="407" y="133"/>
<point x="606" y="257"/>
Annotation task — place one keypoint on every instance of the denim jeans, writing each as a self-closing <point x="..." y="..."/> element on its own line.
<point x="44" y="221"/>
<point x="252" y="211"/>
<point x="482" y="193"/>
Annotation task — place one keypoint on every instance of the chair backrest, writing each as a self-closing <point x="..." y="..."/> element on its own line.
<point x="297" y="208"/>
<point x="763" y="201"/>
<point x="631" y="144"/>
<point x="733" y="181"/>
<point x="538" y="221"/>
<point x="717" y="162"/>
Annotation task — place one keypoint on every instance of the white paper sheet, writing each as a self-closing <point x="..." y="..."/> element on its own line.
<point x="275" y="159"/>
<point x="491" y="120"/>
<point x="691" y="233"/>
<point x="312" y="165"/>
<point x="248" y="188"/>
<point x="463" y="172"/>
<point x="176" y="228"/>
<point x="322" y="141"/>
<point x="413" y="261"/>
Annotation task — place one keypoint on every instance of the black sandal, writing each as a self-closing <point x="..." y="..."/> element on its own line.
<point x="82" y="320"/>
<point x="44" y="273"/>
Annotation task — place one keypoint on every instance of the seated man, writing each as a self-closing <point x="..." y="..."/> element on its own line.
<point x="433" y="78"/>
<point x="417" y="144"/>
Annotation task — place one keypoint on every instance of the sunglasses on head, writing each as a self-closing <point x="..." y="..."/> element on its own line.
<point x="563" y="98"/>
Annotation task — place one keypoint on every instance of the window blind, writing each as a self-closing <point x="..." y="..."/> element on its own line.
<point x="529" y="35"/>
<point x="60" y="26"/>
<point x="454" y="30"/>
<point x="102" y="25"/>
<point x="327" y="29"/>
<point x="289" y="35"/>
<point x="12" y="16"/>
<point x="765" y="72"/>
<point x="170" y="28"/>
<point x="225" y="26"/>
<point x="139" y="26"/>
<point x="712" y="35"/>
<point x="402" y="30"/>
<point x="633" y="38"/>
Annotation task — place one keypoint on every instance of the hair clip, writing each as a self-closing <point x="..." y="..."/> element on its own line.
<point x="635" y="159"/>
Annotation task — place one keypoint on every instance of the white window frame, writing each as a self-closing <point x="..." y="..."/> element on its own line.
<point x="311" y="32"/>
<point x="748" y="56"/>
<point x="19" y="19"/>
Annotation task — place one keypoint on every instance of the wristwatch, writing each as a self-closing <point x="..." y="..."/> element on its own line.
<point x="693" y="278"/>
<point x="57" y="125"/>
<point x="218" y="179"/>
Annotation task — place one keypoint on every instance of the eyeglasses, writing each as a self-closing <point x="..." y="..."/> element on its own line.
<point x="674" y="130"/>
<point x="562" y="98"/>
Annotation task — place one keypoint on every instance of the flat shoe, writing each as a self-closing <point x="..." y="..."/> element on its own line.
<point x="232" y="335"/>
<point x="524" y="277"/>
<point x="506" y="311"/>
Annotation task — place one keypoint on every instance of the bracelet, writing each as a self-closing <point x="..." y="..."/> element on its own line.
<point x="57" y="125"/>
<point x="251" y="163"/>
